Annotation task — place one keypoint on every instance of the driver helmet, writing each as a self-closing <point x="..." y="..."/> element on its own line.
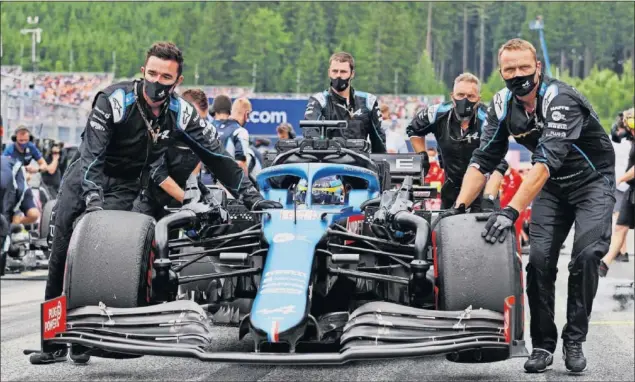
<point x="327" y="190"/>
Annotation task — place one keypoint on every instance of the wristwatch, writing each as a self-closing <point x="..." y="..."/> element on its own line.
<point x="489" y="196"/>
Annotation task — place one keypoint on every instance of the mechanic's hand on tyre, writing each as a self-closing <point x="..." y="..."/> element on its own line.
<point x="265" y="205"/>
<point x="453" y="211"/>
<point x="93" y="203"/>
<point x="498" y="224"/>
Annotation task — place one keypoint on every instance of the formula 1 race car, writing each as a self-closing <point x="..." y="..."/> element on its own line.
<point x="316" y="282"/>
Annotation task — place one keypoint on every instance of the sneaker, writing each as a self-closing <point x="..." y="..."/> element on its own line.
<point x="573" y="356"/>
<point x="77" y="354"/>
<point x="623" y="257"/>
<point x="539" y="361"/>
<point x="603" y="269"/>
<point x="43" y="358"/>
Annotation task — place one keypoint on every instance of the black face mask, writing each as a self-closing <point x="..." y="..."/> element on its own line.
<point x="522" y="85"/>
<point x="156" y="91"/>
<point x="464" y="108"/>
<point x="339" y="84"/>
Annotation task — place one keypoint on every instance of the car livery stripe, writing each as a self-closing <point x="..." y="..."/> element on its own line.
<point x="510" y="301"/>
<point x="436" y="269"/>
<point x="274" y="335"/>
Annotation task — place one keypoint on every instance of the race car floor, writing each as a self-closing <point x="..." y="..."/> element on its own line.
<point x="609" y="348"/>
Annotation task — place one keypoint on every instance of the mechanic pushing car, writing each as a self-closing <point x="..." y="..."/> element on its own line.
<point x="342" y="102"/>
<point x="132" y="123"/>
<point x="456" y="125"/>
<point x="572" y="180"/>
<point x="169" y="173"/>
<point x="626" y="216"/>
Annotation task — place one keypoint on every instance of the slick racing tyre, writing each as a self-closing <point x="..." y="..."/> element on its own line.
<point x="472" y="272"/>
<point x="110" y="260"/>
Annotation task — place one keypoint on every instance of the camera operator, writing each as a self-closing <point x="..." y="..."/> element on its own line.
<point x="52" y="177"/>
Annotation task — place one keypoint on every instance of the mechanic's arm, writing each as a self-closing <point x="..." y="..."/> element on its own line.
<point x="418" y="128"/>
<point x="377" y="135"/>
<point x="39" y="158"/>
<point x="201" y="137"/>
<point x="160" y="176"/>
<point x="197" y="169"/>
<point x="241" y="144"/>
<point x="552" y="149"/>
<point x="495" y="179"/>
<point x="494" y="146"/>
<point x="628" y="175"/>
<point x="492" y="187"/>
<point x="96" y="139"/>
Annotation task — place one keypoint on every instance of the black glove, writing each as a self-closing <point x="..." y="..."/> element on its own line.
<point x="498" y="224"/>
<point x="447" y="213"/>
<point x="265" y="205"/>
<point x="453" y="211"/>
<point x="425" y="162"/>
<point x="94" y="202"/>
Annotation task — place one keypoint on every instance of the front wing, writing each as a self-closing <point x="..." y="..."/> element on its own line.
<point x="376" y="330"/>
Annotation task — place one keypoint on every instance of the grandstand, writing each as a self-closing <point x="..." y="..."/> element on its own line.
<point x="56" y="105"/>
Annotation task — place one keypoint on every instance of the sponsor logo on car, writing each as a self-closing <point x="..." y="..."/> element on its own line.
<point x="53" y="317"/>
<point x="299" y="215"/>
<point x="281" y="310"/>
<point x="283" y="237"/>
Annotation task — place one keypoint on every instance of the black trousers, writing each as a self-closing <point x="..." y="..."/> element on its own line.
<point x="118" y="195"/>
<point x="450" y="192"/>
<point x="626" y="215"/>
<point x="147" y="205"/>
<point x="554" y="211"/>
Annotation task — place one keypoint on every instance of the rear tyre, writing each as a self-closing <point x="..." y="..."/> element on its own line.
<point x="474" y="272"/>
<point x="110" y="260"/>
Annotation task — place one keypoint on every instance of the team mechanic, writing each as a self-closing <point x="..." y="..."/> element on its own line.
<point x="342" y="102"/>
<point x="13" y="197"/>
<point x="456" y="125"/>
<point x="572" y="180"/>
<point x="170" y="172"/>
<point x="229" y="121"/>
<point x="131" y="124"/>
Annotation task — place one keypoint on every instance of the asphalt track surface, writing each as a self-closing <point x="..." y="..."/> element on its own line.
<point x="609" y="348"/>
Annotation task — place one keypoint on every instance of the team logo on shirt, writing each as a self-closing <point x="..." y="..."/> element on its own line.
<point x="558" y="116"/>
